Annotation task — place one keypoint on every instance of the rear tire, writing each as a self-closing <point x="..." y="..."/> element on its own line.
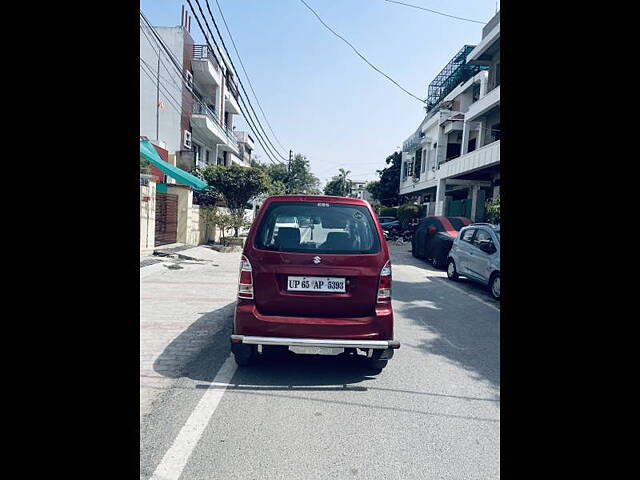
<point x="376" y="366"/>
<point x="376" y="363"/>
<point x="452" y="273"/>
<point x="244" y="355"/>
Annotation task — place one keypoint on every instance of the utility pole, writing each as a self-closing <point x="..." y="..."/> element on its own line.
<point x="158" y="101"/>
<point x="288" y="190"/>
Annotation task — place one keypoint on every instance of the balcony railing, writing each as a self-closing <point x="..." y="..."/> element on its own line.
<point x="202" y="52"/>
<point x="233" y="88"/>
<point x="231" y="136"/>
<point x="200" y="108"/>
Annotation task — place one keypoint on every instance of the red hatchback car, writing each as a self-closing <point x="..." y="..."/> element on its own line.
<point x="315" y="274"/>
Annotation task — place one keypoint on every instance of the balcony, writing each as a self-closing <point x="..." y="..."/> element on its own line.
<point x="206" y="67"/>
<point x="207" y="123"/>
<point x="244" y="137"/>
<point x="231" y="95"/>
<point x="486" y="103"/>
<point x="485" y="156"/>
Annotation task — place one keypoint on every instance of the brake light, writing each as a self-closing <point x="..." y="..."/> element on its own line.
<point x="245" y="283"/>
<point x="384" y="284"/>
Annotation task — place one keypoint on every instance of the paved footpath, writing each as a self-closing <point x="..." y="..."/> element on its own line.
<point x="183" y="303"/>
<point x="433" y="413"/>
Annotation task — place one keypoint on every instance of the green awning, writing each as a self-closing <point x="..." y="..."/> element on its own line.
<point x="185" y="178"/>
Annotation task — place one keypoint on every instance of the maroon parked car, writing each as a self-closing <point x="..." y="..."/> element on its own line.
<point x="315" y="274"/>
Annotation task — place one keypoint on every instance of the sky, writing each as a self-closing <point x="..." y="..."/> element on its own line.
<point x="321" y="99"/>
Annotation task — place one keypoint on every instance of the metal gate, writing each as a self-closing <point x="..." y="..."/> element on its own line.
<point x="166" y="218"/>
<point x="459" y="208"/>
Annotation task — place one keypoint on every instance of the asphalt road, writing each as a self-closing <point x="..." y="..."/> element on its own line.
<point x="433" y="413"/>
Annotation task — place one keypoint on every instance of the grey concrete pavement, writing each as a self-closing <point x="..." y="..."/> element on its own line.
<point x="433" y="413"/>
<point x="182" y="304"/>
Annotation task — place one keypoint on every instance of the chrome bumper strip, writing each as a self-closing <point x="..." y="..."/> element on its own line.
<point x="315" y="342"/>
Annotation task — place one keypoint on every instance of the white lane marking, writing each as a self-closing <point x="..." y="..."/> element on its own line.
<point x="448" y="284"/>
<point x="174" y="461"/>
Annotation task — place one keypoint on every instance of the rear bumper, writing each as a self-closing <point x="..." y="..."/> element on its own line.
<point x="315" y="342"/>
<point x="249" y="322"/>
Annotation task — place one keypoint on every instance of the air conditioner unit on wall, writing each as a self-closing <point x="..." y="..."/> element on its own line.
<point x="187" y="139"/>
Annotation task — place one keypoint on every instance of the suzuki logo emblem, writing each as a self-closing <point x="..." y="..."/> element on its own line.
<point x="316" y="260"/>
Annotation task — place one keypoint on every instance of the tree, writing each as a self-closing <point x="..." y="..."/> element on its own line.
<point x="238" y="185"/>
<point x="386" y="190"/>
<point x="145" y="166"/>
<point x="299" y="180"/>
<point x="340" y="185"/>
<point x="373" y="188"/>
<point x="208" y="196"/>
<point x="492" y="209"/>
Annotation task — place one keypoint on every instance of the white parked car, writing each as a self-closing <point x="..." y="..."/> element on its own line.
<point x="475" y="254"/>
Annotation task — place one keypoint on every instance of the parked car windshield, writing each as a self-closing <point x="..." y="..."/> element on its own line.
<point x="323" y="228"/>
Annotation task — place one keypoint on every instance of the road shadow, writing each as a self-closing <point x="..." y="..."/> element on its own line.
<point x="212" y="329"/>
<point x="469" y="337"/>
<point x="201" y="349"/>
<point x="403" y="256"/>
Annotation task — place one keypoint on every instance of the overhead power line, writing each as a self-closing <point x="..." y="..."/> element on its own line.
<point x="155" y="82"/>
<point x="270" y="154"/>
<point x="436" y="12"/>
<point x="360" y="55"/>
<point x="249" y="120"/>
<point x="180" y="70"/>
<point x="239" y="80"/>
<point x="247" y="75"/>
<point x="170" y="98"/>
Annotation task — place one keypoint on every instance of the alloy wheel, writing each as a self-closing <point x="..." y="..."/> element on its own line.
<point x="495" y="287"/>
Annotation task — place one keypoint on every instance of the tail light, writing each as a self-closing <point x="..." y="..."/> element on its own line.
<point x="384" y="284"/>
<point x="245" y="283"/>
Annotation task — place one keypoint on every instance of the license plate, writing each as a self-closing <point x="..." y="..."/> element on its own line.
<point x="317" y="350"/>
<point x="316" y="284"/>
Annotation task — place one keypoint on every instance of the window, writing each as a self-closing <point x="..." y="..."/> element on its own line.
<point x="495" y="132"/>
<point x="467" y="235"/>
<point x="426" y="158"/>
<point x="311" y="228"/>
<point x="482" y="238"/>
<point x="476" y="92"/>
<point x="187" y="139"/>
<point x="197" y="153"/>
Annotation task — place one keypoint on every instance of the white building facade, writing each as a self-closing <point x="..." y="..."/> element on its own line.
<point x="189" y="108"/>
<point x="451" y="163"/>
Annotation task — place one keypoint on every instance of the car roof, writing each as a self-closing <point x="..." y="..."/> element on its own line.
<point x="483" y="226"/>
<point x="316" y="198"/>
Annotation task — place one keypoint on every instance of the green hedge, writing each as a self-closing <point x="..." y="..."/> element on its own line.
<point x="408" y="211"/>
<point x="389" y="212"/>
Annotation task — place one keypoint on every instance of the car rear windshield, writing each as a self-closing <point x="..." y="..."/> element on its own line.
<point x="321" y="228"/>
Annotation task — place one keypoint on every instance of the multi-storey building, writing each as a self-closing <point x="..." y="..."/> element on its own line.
<point x="357" y="189"/>
<point x="188" y="98"/>
<point x="246" y="145"/>
<point x="451" y="163"/>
